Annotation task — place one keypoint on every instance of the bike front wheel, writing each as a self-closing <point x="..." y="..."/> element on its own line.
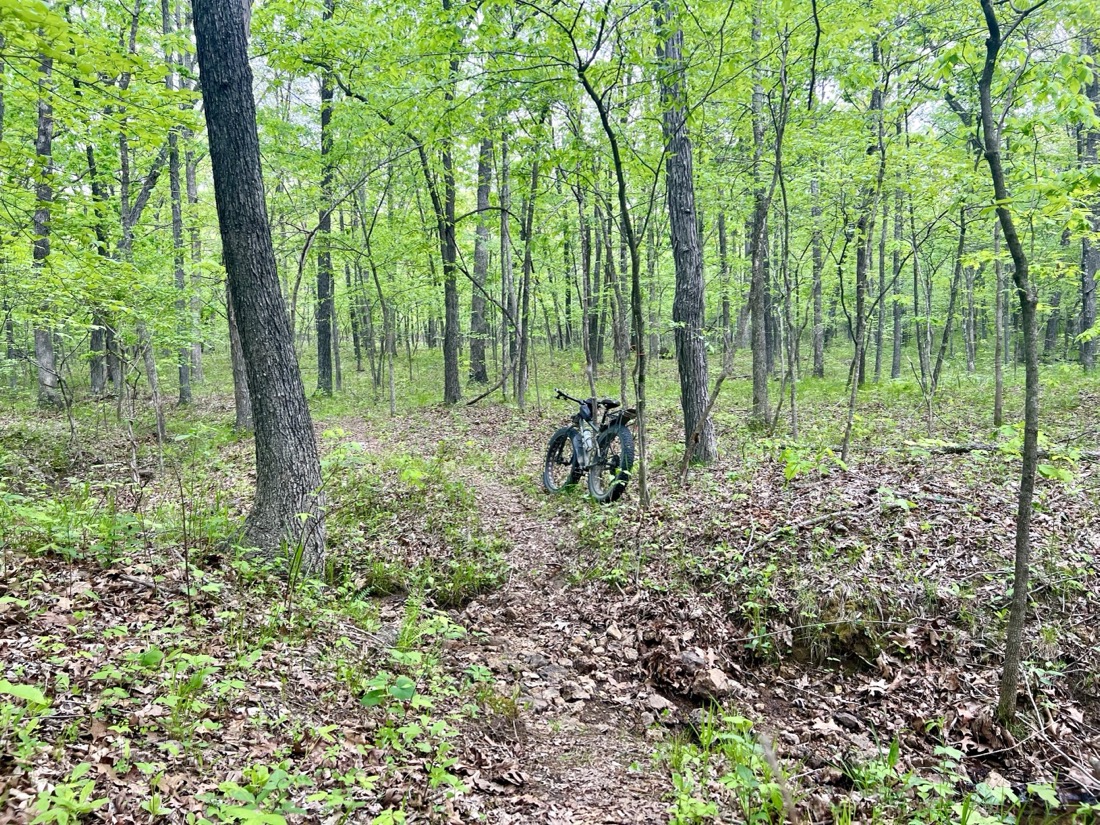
<point x="608" y="476"/>
<point x="563" y="461"/>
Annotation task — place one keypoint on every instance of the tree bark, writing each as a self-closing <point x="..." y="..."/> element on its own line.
<point x="287" y="511"/>
<point x="242" y="404"/>
<point x="323" y="311"/>
<point x="991" y="138"/>
<point x="479" y="329"/>
<point x="49" y="385"/>
<point x="1090" y="244"/>
<point x="998" y="326"/>
<point x="818" y="268"/>
<point x="899" y="309"/>
<point x="183" y="320"/>
<point x="452" y="388"/>
<point x="688" y="305"/>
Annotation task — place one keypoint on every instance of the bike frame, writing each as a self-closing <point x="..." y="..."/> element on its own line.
<point x="608" y="418"/>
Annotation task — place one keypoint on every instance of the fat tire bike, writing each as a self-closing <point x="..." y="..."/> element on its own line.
<point x="598" y="442"/>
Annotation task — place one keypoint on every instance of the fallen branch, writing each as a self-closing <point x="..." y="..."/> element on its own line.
<point x="698" y="429"/>
<point x="810" y="522"/>
<point x="963" y="449"/>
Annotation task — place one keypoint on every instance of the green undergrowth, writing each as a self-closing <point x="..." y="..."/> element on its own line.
<point x="727" y="771"/>
<point x="214" y="690"/>
<point x="399" y="522"/>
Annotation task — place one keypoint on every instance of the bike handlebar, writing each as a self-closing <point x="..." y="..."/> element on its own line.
<point x="568" y="397"/>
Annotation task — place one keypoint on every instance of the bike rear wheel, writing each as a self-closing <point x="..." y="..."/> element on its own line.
<point x="563" y="463"/>
<point x="608" y="476"/>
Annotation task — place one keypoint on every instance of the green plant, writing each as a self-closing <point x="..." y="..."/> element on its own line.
<point x="68" y="801"/>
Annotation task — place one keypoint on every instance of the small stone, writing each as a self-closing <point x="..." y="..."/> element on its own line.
<point x="553" y="673"/>
<point x="791" y="738"/>
<point x="614" y="632"/>
<point x="659" y="703"/>
<point x="599" y="650"/>
<point x="713" y="683"/>
<point x="535" y="660"/>
<point x="846" y="720"/>
<point x="693" y="660"/>
<point x="630" y="654"/>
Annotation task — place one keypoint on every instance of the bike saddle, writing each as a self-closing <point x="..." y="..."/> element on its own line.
<point x="609" y="403"/>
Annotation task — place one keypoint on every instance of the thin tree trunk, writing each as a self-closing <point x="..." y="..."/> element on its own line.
<point x="818" y="268"/>
<point x="325" y="282"/>
<point x="1090" y="244"/>
<point x="49" y="389"/>
<point x="525" y="286"/>
<point x="184" y="322"/>
<point x="880" y="326"/>
<point x="478" y="327"/>
<point x="991" y="136"/>
<point x="899" y="309"/>
<point x="998" y="325"/>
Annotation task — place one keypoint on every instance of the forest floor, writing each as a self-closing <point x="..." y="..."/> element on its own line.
<point x="485" y="652"/>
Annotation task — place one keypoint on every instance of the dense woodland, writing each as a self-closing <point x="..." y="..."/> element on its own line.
<point x="287" y="290"/>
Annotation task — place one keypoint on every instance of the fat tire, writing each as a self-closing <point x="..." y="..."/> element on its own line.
<point x="557" y="442"/>
<point x="617" y="487"/>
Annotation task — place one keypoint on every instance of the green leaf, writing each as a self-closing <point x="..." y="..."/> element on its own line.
<point x="27" y="693"/>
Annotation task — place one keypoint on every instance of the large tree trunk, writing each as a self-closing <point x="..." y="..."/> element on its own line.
<point x="688" y="310"/>
<point x="49" y="385"/>
<point x="288" y="470"/>
<point x="479" y="329"/>
<point x="1090" y="245"/>
<point x="991" y="136"/>
<point x="325" y="281"/>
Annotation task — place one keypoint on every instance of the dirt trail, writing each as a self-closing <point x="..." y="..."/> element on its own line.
<point x="574" y="753"/>
<point x="577" y="747"/>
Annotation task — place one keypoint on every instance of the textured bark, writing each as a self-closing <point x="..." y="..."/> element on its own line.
<point x="508" y="343"/>
<point x="991" y="137"/>
<point x="452" y="389"/>
<point x="688" y="306"/>
<point x="999" y="332"/>
<point x="899" y="307"/>
<point x="724" y="276"/>
<point x="758" y="287"/>
<point x="527" y="231"/>
<point x="49" y="385"/>
<point x="242" y="403"/>
<point x="1090" y="246"/>
<point x="818" y="268"/>
<point x="176" y="198"/>
<point x="479" y="328"/>
<point x="1050" y="340"/>
<point x="880" y="326"/>
<point x="323" y="311"/>
<point x="288" y="505"/>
